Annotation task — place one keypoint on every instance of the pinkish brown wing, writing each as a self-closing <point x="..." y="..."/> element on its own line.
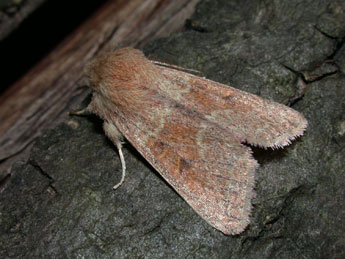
<point x="248" y="117"/>
<point x="189" y="129"/>
<point x="206" y="165"/>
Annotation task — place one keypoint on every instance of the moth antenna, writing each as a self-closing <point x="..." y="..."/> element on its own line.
<point x="175" y="67"/>
<point x="123" y="164"/>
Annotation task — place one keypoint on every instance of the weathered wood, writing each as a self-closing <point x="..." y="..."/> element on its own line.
<point x="39" y="99"/>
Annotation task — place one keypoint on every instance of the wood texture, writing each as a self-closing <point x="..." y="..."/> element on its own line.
<point x="41" y="98"/>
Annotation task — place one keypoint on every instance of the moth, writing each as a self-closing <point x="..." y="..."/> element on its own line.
<point x="191" y="130"/>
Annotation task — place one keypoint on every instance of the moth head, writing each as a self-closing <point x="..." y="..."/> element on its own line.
<point x="122" y="79"/>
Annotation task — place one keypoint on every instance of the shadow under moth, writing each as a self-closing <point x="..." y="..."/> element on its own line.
<point x="190" y="130"/>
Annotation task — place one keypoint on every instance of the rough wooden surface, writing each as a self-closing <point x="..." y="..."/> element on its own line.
<point x="41" y="98"/>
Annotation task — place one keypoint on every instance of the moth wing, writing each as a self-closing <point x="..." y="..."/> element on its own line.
<point x="206" y="165"/>
<point x="190" y="130"/>
<point x="248" y="117"/>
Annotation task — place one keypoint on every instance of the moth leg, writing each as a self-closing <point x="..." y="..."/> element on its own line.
<point x="123" y="164"/>
<point x="83" y="112"/>
<point x="116" y="137"/>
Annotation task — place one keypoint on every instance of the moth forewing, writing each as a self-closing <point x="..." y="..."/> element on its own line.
<point x="190" y="130"/>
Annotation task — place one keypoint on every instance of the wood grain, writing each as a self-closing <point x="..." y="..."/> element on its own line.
<point x="41" y="98"/>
